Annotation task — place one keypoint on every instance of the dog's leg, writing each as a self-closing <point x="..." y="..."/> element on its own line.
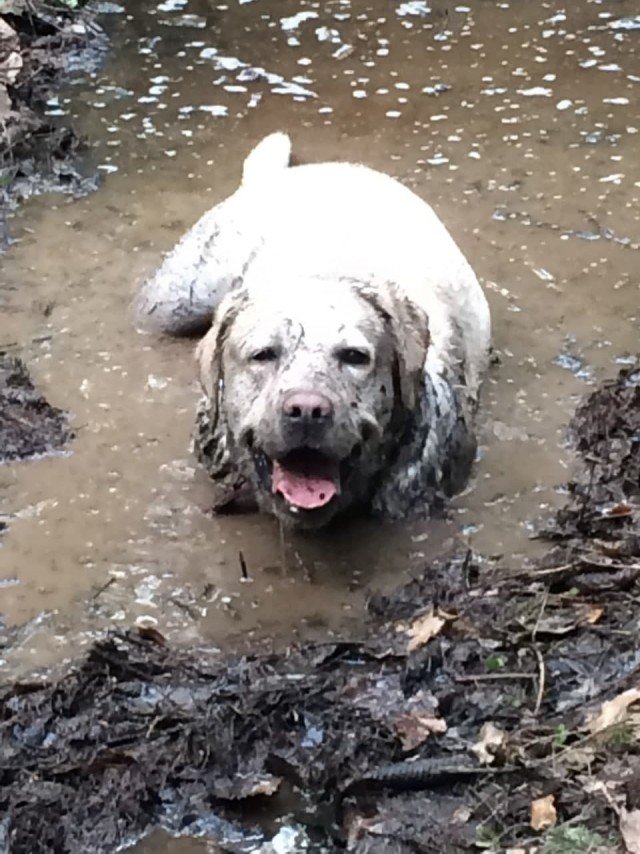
<point x="180" y="298"/>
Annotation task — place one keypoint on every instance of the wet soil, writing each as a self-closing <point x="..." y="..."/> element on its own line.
<point x="510" y="118"/>
<point x="466" y="696"/>
<point x="40" y="45"/>
<point x="29" y="426"/>
<point x="519" y="123"/>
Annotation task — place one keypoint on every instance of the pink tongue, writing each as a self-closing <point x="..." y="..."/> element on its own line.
<point x="303" y="490"/>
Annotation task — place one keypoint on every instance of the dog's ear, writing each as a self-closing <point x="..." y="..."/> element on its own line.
<point x="409" y="328"/>
<point x="210" y="349"/>
<point x="212" y="443"/>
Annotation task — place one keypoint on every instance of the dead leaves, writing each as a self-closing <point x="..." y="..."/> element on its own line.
<point x="562" y="621"/>
<point x="619" y="510"/>
<point x="630" y="829"/>
<point x="10" y="59"/>
<point x="415" y="728"/>
<point x="424" y="628"/>
<point x="543" y="813"/>
<point x="614" y="711"/>
<point x="10" y="65"/>
<point x="628" y="820"/>
<point x="492" y="740"/>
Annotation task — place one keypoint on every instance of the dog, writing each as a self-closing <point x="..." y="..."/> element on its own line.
<point x="347" y="340"/>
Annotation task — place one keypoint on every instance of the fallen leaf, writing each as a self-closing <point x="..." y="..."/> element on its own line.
<point x="565" y="620"/>
<point x="5" y="103"/>
<point x="266" y="786"/>
<point x="543" y="813"/>
<point x="630" y="829"/>
<point x="491" y="740"/>
<point x="149" y="633"/>
<point x="592" y="615"/>
<point x="358" y="827"/>
<point x="10" y="67"/>
<point x="461" y="815"/>
<point x="614" y="711"/>
<point x="423" y="629"/>
<point x="619" y="510"/>
<point x="610" y="548"/>
<point x="415" y="728"/>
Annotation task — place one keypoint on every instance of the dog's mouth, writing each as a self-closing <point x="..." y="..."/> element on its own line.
<point x="307" y="479"/>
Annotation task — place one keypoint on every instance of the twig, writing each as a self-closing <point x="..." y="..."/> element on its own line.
<point x="545" y="599"/>
<point x="541" y="573"/>
<point x="488" y="677"/>
<point x="243" y="566"/>
<point x="542" y="671"/>
<point x="101" y="590"/>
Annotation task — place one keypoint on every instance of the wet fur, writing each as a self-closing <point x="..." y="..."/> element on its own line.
<point x="431" y="343"/>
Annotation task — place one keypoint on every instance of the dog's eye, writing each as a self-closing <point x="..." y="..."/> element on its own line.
<point x="267" y="354"/>
<point x="352" y="356"/>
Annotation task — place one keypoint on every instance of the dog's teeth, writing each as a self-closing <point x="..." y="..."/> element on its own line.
<point x="294" y="509"/>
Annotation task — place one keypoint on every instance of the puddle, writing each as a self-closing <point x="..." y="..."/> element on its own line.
<point x="518" y="122"/>
<point x="163" y="843"/>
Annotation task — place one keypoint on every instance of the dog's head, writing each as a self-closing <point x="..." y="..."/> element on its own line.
<point x="308" y="386"/>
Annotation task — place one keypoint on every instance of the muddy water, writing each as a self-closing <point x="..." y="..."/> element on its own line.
<point x="518" y="121"/>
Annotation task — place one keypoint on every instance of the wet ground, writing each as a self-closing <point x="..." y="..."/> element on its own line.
<point x="39" y="43"/>
<point x="479" y="708"/>
<point x="519" y="122"/>
<point x="30" y="428"/>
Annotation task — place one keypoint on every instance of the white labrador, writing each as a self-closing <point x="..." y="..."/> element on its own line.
<point x="347" y="342"/>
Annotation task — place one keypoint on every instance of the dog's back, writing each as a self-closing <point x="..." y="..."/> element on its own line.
<point x="328" y="219"/>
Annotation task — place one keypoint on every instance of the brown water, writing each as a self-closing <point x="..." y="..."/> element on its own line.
<point x="518" y="121"/>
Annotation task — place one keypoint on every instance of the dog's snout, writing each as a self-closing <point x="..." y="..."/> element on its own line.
<point x="309" y="408"/>
<point x="306" y="417"/>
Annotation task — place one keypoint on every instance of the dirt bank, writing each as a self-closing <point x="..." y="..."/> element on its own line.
<point x="29" y="426"/>
<point x="473" y="710"/>
<point x="41" y="44"/>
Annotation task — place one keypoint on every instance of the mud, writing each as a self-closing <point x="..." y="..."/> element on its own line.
<point x="466" y="105"/>
<point x="467" y="695"/>
<point x="29" y="426"/>
<point x="41" y="44"/>
<point x="606" y="431"/>
<point x="519" y="123"/>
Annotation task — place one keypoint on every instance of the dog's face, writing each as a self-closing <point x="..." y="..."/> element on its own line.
<point x="310" y="387"/>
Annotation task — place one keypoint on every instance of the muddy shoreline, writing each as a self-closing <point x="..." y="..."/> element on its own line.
<point x="474" y="707"/>
<point x="42" y="46"/>
<point x="519" y="124"/>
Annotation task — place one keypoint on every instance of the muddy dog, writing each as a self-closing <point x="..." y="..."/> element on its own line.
<point x="347" y="340"/>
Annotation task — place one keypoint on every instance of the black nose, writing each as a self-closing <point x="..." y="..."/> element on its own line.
<point x="305" y="413"/>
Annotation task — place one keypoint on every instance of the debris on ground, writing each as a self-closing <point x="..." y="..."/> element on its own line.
<point x="41" y="44"/>
<point x="29" y="426"/>
<point x="477" y="709"/>
<point x="606" y="433"/>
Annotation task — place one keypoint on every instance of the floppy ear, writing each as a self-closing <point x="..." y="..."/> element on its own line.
<point x="209" y="350"/>
<point x="409" y="328"/>
<point x="212" y="442"/>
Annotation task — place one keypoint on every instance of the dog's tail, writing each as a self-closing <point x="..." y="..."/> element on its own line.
<point x="270" y="155"/>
